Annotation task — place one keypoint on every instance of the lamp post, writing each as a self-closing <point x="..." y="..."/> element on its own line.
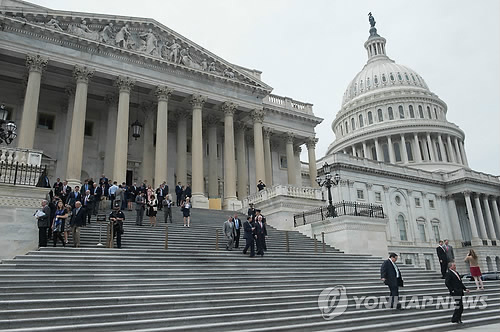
<point x="328" y="182"/>
<point x="7" y="128"/>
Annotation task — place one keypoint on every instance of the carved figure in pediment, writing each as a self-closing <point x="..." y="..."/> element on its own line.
<point x="83" y="30"/>
<point x="151" y="42"/>
<point x="107" y="35"/>
<point x="53" y="24"/>
<point x="123" y="38"/>
<point x="174" y="52"/>
<point x="204" y="65"/>
<point x="213" y="69"/>
<point x="165" y="52"/>
<point x="228" y="73"/>
<point x="187" y="60"/>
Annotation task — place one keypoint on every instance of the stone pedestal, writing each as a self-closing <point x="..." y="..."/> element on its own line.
<point x="200" y="201"/>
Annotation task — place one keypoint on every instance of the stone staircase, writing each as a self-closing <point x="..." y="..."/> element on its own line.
<point x="193" y="287"/>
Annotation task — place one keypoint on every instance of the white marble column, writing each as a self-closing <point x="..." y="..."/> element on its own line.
<point x="459" y="154"/>
<point x="404" y="152"/>
<point x="392" y="158"/>
<point x="82" y="76"/>
<point x="451" y="155"/>
<point x="26" y="134"/>
<point x="377" y="151"/>
<point x="148" y="151"/>
<point x="124" y="85"/>
<point x="241" y="163"/>
<point x="213" y="177"/>
<point x="365" y="150"/>
<point x="416" y="154"/>
<point x="109" y="156"/>
<point x="462" y="152"/>
<point x="472" y="220"/>
<point x="297" y="150"/>
<point x="230" y="200"/>
<point x="268" y="157"/>
<point x="62" y="161"/>
<point x="199" y="199"/>
<point x="162" y="93"/>
<point x="441" y="147"/>
<point x="489" y="218"/>
<point x="290" y="159"/>
<point x="181" y="142"/>
<point x="454" y="221"/>
<point x="258" y="118"/>
<point x="496" y="214"/>
<point x="430" y="148"/>
<point x="353" y="148"/>
<point x="482" y="226"/>
<point x="311" y="153"/>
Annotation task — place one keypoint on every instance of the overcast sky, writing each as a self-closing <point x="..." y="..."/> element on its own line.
<point x="311" y="49"/>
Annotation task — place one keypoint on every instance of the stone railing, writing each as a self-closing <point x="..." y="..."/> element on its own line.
<point x="22" y="156"/>
<point x="288" y="103"/>
<point x="464" y="173"/>
<point x="283" y="190"/>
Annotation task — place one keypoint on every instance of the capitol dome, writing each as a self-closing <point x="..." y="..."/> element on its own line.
<point x="388" y="114"/>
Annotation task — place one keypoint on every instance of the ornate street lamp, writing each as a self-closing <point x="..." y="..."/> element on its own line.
<point x="136" y="129"/>
<point x="328" y="182"/>
<point x="7" y="128"/>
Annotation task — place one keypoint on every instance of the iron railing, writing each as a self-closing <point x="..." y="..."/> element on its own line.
<point x="339" y="209"/>
<point x="20" y="174"/>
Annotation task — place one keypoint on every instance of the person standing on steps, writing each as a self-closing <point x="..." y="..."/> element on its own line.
<point x="187" y="192"/>
<point x="117" y="217"/>
<point x="456" y="287"/>
<point x="443" y="258"/>
<point x="140" y="203"/>
<point x="152" y="210"/>
<point x="58" y="224"/>
<point x="167" y="208"/>
<point x="475" y="271"/>
<point x="43" y="221"/>
<point x="449" y="251"/>
<point x="178" y="194"/>
<point x="77" y="221"/>
<point x="261" y="232"/>
<point x="88" y="205"/>
<point x="237" y="230"/>
<point x="249" y="236"/>
<point x="391" y="276"/>
<point x="186" y="212"/>
<point x="112" y="193"/>
<point x="228" y="230"/>
<point x="261" y="185"/>
<point x="251" y="211"/>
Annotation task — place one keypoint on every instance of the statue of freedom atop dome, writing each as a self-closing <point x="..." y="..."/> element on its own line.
<point x="371" y="19"/>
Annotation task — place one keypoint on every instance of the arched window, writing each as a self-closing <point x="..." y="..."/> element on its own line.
<point x="370" y="117"/>
<point x="420" y="112"/>
<point x="401" y="112"/>
<point x="361" y="123"/>
<point x="436" y="113"/>
<point x="412" y="113"/>
<point x="409" y="151"/>
<point x="385" y="150"/>
<point x="341" y="130"/>
<point x="391" y="114"/>
<point x="402" y="228"/>
<point x="397" y="152"/>
<point x="489" y="263"/>
<point x="429" y="112"/>
<point x="380" y="115"/>
<point x="353" y="125"/>
<point x="346" y="128"/>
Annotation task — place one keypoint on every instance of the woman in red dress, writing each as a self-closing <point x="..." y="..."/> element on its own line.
<point x="475" y="271"/>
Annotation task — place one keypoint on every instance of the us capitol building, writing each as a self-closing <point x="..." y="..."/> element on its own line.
<point x="132" y="99"/>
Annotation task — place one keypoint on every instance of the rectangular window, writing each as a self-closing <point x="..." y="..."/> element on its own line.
<point x="283" y="163"/>
<point x="435" y="230"/>
<point x="431" y="203"/>
<point x="89" y="129"/>
<point x="417" y="202"/>
<point x="361" y="194"/>
<point x="378" y="197"/>
<point x="46" y="121"/>
<point x="421" y="231"/>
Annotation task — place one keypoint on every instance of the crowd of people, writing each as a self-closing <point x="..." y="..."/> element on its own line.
<point x="68" y="209"/>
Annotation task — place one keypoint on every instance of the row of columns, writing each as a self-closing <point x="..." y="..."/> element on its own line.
<point x="479" y="232"/>
<point x="455" y="152"/>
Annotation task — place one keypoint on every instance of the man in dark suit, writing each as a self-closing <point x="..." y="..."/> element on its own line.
<point x="456" y="287"/>
<point x="43" y="221"/>
<point x="77" y="221"/>
<point x="187" y="191"/>
<point x="449" y="251"/>
<point x="88" y="205"/>
<point x="443" y="258"/>
<point x="160" y="195"/>
<point x="103" y="180"/>
<point x="97" y="193"/>
<point x="58" y="187"/>
<point x="261" y="232"/>
<point x="65" y="191"/>
<point x="237" y="230"/>
<point x="249" y="236"/>
<point x="178" y="194"/>
<point x="74" y="197"/>
<point x="85" y="187"/>
<point x="391" y="276"/>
